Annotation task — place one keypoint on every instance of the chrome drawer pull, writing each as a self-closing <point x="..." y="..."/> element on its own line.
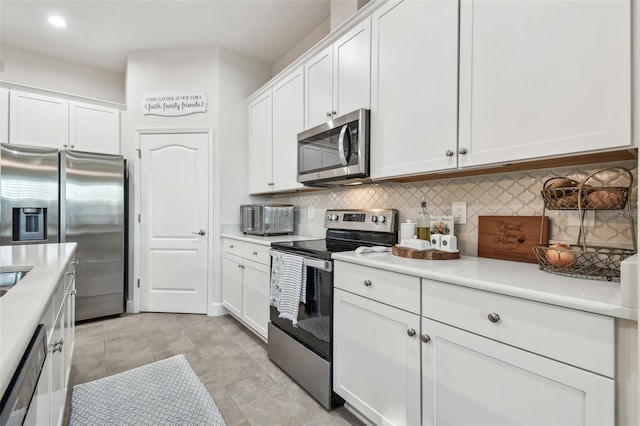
<point x="425" y="338"/>
<point x="493" y="317"/>
<point x="255" y="253"/>
<point x="367" y="283"/>
<point x="411" y="332"/>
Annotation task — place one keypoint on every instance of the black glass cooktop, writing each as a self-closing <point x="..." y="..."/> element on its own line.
<point x="317" y="248"/>
<point x="336" y="241"/>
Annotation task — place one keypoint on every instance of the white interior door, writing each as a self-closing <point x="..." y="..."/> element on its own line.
<point x="174" y="208"/>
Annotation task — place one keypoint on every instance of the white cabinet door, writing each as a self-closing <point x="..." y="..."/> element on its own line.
<point x="38" y="120"/>
<point x="318" y="75"/>
<point x="352" y="70"/>
<point x="255" y="296"/>
<point x="58" y="397"/>
<point x="4" y="115"/>
<point x="288" y="121"/>
<point x="232" y="283"/>
<point x="260" y="139"/>
<point x="414" y="87"/>
<point x="543" y="78"/>
<point x="471" y="380"/>
<point x="376" y="359"/>
<point x="94" y="128"/>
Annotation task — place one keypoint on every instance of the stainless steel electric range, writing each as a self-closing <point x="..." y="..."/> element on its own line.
<point x="302" y="345"/>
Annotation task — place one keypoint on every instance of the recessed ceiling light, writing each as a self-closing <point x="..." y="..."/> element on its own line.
<point x="57" y="21"/>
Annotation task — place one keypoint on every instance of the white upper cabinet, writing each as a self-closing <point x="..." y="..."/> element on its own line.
<point x="260" y="137"/>
<point x="288" y="121"/>
<point x="38" y="120"/>
<point x="94" y="128"/>
<point x="275" y="119"/>
<point x="543" y="78"/>
<point x="414" y="86"/>
<point x="337" y="79"/>
<point x="41" y="120"/>
<point x="4" y="115"/>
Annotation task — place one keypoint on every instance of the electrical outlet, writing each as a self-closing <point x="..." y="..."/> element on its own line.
<point x="459" y="211"/>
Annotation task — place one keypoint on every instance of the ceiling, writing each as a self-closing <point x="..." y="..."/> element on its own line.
<point x="101" y="33"/>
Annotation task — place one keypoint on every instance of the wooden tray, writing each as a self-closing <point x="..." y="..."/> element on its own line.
<point x="511" y="237"/>
<point x="428" y="255"/>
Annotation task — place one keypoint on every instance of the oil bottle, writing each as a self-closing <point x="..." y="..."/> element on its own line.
<point x="424" y="219"/>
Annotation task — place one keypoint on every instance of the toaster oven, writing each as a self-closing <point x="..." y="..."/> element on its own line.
<point x="266" y="219"/>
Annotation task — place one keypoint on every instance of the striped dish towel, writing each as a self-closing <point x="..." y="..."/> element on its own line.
<point x="287" y="277"/>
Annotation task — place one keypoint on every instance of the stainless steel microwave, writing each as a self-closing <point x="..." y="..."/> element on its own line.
<point x="335" y="152"/>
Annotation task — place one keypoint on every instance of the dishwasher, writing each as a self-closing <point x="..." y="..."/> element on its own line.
<point x="14" y="406"/>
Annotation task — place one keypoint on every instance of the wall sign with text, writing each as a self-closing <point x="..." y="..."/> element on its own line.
<point x="174" y="103"/>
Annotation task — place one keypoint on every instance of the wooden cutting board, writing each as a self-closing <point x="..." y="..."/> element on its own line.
<point x="428" y="255"/>
<point x="511" y="237"/>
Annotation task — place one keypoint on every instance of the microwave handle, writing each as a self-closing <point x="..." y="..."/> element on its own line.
<point x="343" y="133"/>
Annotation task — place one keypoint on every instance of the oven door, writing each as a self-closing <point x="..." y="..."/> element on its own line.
<point x="335" y="150"/>
<point x="314" y="326"/>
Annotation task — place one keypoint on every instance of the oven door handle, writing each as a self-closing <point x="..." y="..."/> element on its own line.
<point x="322" y="265"/>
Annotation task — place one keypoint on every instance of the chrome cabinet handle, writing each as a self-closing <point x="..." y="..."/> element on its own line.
<point x="328" y="114"/>
<point x="230" y="246"/>
<point x="75" y="262"/>
<point x="449" y="153"/>
<point x="333" y="113"/>
<point x="255" y="253"/>
<point x="68" y="273"/>
<point x="367" y="283"/>
<point x="411" y="332"/>
<point x="73" y="292"/>
<point x="493" y="317"/>
<point x="462" y="151"/>
<point x="200" y="232"/>
<point x="425" y="338"/>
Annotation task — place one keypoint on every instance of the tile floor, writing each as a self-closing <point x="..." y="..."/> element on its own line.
<point x="230" y="360"/>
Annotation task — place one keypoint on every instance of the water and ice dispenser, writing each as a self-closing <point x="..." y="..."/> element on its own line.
<point x="29" y="223"/>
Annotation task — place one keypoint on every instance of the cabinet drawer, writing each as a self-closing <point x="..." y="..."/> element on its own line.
<point x="398" y="290"/>
<point x="257" y="253"/>
<point x="232" y="246"/>
<point x="578" y="338"/>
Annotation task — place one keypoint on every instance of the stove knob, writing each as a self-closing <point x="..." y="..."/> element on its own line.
<point x="382" y="219"/>
<point x="328" y="217"/>
<point x="374" y="219"/>
<point x="332" y="217"/>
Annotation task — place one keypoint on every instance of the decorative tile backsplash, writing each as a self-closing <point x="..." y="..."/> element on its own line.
<point x="506" y="194"/>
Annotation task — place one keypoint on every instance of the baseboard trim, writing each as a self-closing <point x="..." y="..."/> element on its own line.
<point x="130" y="308"/>
<point x="216" y="310"/>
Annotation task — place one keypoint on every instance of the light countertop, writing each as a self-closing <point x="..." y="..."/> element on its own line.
<point x="22" y="307"/>
<point x="523" y="280"/>
<point x="265" y="240"/>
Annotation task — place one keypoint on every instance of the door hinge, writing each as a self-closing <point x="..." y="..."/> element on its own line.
<point x="138" y="282"/>
<point x="138" y="218"/>
<point x="139" y="153"/>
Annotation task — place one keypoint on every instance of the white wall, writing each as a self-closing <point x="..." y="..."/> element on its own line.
<point x="31" y="69"/>
<point x="314" y="36"/>
<point x="238" y="78"/>
<point x="227" y="79"/>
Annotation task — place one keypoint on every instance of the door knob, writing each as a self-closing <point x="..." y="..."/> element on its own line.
<point x="200" y="232"/>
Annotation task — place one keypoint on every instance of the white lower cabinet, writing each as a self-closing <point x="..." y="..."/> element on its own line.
<point x="472" y="380"/>
<point x="376" y="355"/>
<point x="47" y="405"/>
<point x="245" y="283"/>
<point x="411" y="351"/>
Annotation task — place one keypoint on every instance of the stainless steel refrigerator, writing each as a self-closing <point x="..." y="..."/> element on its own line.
<point x="79" y="197"/>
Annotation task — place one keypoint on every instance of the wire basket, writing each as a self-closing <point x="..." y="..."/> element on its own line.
<point x="577" y="261"/>
<point x="583" y="196"/>
<point x="580" y="260"/>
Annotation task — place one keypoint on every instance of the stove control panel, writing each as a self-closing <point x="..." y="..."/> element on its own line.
<point x="377" y="220"/>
